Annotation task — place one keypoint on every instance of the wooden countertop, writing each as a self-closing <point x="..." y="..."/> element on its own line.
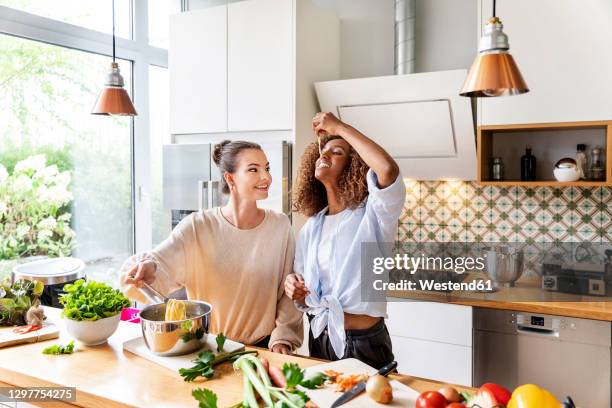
<point x="526" y="296"/>
<point x="106" y="376"/>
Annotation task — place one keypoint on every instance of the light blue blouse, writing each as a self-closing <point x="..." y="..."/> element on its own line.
<point x="374" y="221"/>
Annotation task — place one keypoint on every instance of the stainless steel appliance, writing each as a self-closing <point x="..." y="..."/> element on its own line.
<point x="567" y="356"/>
<point x="581" y="279"/>
<point x="504" y="264"/>
<point x="178" y="337"/>
<point x="191" y="180"/>
<point x="54" y="273"/>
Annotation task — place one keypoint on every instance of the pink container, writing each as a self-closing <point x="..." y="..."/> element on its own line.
<point x="131" y="315"/>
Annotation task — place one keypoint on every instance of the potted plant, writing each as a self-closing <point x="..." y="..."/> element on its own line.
<point x="92" y="310"/>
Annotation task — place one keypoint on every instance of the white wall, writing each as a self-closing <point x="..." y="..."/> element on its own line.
<point x="446" y="35"/>
<point x="366" y="36"/>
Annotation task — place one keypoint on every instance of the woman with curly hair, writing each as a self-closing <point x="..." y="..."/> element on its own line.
<point x="352" y="190"/>
<point x="235" y="257"/>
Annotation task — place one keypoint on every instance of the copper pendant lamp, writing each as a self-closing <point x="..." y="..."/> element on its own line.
<point x="494" y="72"/>
<point x="114" y="99"/>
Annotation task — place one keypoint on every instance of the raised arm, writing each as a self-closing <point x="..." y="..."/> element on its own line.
<point x="376" y="157"/>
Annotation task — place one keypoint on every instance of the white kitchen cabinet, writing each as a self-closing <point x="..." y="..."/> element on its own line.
<point x="232" y="68"/>
<point x="260" y="65"/>
<point x="197" y="60"/>
<point x="432" y="340"/>
<point x="443" y="362"/>
<point x="564" y="61"/>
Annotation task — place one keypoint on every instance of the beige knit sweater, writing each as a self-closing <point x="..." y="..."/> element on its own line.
<point x="239" y="272"/>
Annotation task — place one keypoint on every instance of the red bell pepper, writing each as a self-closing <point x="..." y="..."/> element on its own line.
<point x="26" y="329"/>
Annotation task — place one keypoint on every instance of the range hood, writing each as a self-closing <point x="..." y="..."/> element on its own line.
<point x="420" y="119"/>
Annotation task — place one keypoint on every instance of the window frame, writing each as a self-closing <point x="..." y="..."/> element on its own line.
<point x="137" y="50"/>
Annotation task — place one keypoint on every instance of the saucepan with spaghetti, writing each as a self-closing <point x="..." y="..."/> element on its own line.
<point x="173" y="327"/>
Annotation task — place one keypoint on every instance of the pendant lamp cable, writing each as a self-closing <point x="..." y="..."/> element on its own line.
<point x="494" y="15"/>
<point x="113" y="30"/>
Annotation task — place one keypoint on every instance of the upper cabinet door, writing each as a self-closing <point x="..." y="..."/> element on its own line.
<point x="562" y="48"/>
<point x="260" y="67"/>
<point x="197" y="59"/>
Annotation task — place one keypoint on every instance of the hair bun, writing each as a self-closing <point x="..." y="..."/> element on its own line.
<point x="218" y="151"/>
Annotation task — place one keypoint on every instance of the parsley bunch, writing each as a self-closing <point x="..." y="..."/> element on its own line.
<point x="58" y="349"/>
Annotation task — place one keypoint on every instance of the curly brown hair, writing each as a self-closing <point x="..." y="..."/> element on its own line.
<point x="310" y="197"/>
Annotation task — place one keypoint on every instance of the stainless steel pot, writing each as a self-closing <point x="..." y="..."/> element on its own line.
<point x="504" y="264"/>
<point x="174" y="338"/>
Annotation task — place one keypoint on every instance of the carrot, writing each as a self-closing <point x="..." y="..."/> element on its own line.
<point x="265" y="363"/>
<point x="277" y="377"/>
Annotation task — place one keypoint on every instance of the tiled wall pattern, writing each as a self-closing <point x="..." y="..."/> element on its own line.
<point x="457" y="211"/>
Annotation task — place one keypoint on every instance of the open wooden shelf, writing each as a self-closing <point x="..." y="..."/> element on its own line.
<point x="545" y="183"/>
<point x="562" y="138"/>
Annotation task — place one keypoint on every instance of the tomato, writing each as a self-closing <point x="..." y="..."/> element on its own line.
<point x="431" y="399"/>
<point x="455" y="405"/>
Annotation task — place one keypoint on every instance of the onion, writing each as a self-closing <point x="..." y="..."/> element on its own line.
<point x="451" y="394"/>
<point x="379" y="389"/>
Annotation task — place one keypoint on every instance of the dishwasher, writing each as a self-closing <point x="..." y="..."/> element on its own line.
<point x="566" y="355"/>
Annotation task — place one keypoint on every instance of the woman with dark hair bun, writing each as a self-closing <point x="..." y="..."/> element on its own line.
<point x="235" y="257"/>
<point x="353" y="192"/>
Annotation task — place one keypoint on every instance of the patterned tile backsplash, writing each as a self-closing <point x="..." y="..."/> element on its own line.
<point x="458" y="211"/>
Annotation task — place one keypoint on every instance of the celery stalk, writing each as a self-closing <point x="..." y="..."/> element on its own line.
<point x="244" y="364"/>
<point x="249" y="396"/>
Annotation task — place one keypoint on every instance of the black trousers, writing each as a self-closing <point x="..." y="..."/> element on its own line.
<point x="371" y="346"/>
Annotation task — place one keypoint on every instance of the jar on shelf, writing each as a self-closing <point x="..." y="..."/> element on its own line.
<point x="497" y="169"/>
<point x="597" y="171"/>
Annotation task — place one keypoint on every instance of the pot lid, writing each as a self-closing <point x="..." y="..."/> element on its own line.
<point x="50" y="271"/>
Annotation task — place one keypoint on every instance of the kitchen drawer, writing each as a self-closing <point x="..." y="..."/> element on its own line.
<point x="436" y="361"/>
<point x="439" y="322"/>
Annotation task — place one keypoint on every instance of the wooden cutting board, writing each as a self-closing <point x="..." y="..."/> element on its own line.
<point x="403" y="396"/>
<point x="138" y="347"/>
<point x="9" y="338"/>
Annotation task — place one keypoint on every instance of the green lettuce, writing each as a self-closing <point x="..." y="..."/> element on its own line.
<point x="90" y="300"/>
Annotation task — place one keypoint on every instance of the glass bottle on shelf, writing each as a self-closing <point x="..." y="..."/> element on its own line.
<point x="581" y="161"/>
<point x="497" y="169"/>
<point x="528" y="165"/>
<point x="597" y="170"/>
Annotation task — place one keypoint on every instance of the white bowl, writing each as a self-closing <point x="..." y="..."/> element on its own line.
<point x="93" y="332"/>
<point x="566" y="174"/>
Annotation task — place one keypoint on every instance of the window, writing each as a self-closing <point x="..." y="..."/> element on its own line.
<point x="160" y="135"/>
<point x="46" y="96"/>
<point x="95" y="15"/>
<point x="96" y="169"/>
<point x="159" y="16"/>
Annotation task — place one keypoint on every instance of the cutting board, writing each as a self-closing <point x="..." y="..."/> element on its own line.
<point x="9" y="338"/>
<point x="403" y="396"/>
<point x="137" y="346"/>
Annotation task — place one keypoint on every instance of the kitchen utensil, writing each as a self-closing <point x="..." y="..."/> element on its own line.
<point x="8" y="337"/>
<point x="151" y="294"/>
<point x="504" y="264"/>
<point x="137" y="346"/>
<point x="597" y="171"/>
<point x="54" y="273"/>
<point x="173" y="338"/>
<point x="94" y="332"/>
<point x="403" y="396"/>
<point x="566" y="169"/>
<point x="359" y="388"/>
